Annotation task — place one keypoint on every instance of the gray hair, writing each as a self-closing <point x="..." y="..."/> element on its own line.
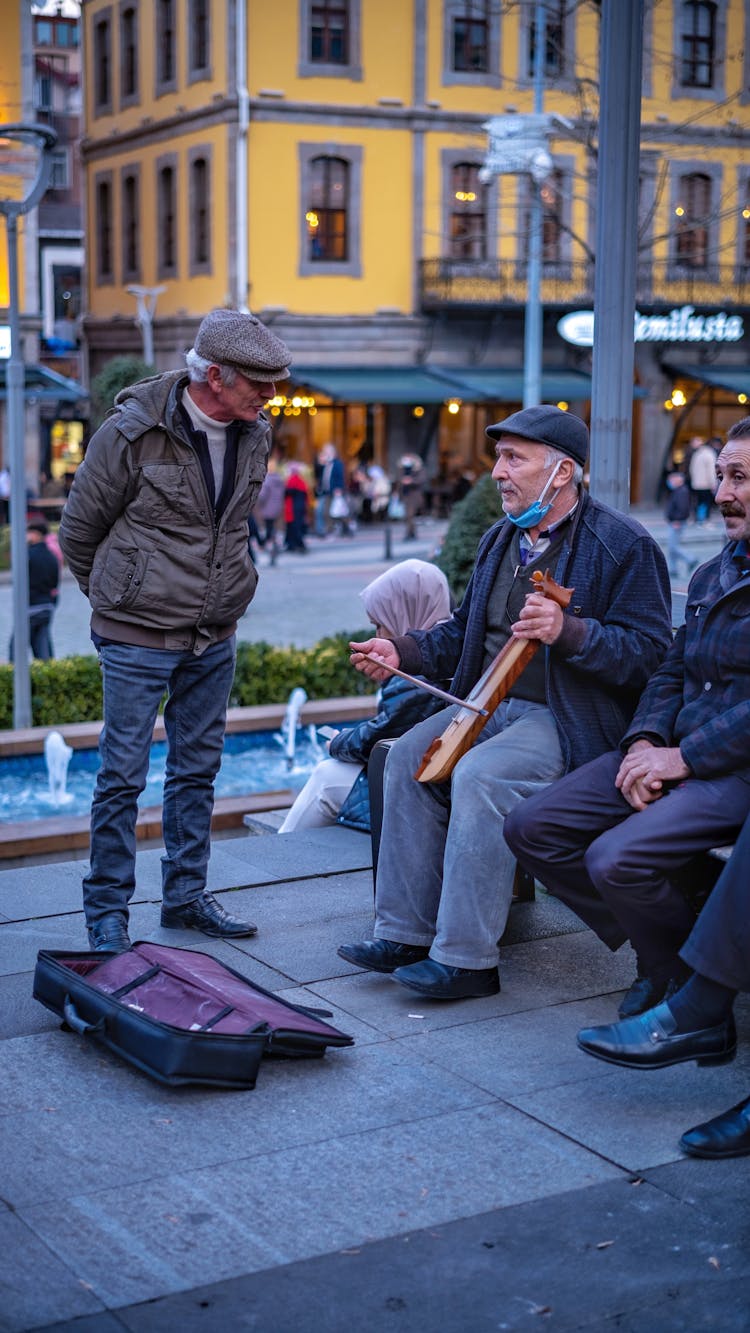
<point x="198" y="368"/>
<point x="552" y="456"/>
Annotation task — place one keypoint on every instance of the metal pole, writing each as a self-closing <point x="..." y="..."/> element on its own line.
<point x="16" y="455"/>
<point x="620" y="60"/>
<point x="532" y="332"/>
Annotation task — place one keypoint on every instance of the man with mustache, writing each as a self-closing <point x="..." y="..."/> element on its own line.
<point x="611" y="838"/>
<point x="445" y="876"/>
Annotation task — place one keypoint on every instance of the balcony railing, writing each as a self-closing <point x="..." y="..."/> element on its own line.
<point x="502" y="282"/>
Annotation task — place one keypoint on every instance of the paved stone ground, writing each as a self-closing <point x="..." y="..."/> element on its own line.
<point x="463" y="1166"/>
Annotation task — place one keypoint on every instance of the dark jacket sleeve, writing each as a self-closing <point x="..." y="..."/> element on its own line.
<point x="401" y="706"/>
<point x="662" y="698"/>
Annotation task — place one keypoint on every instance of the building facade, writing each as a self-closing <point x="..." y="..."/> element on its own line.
<point x="320" y="162"/>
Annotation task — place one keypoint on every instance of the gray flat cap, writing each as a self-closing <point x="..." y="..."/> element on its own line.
<point x="231" y="338"/>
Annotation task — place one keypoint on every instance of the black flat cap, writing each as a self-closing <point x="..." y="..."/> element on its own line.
<point x="547" y="425"/>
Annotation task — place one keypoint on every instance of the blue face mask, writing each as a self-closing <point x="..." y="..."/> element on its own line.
<point x="534" y="513"/>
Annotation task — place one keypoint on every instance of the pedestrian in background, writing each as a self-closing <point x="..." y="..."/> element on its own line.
<point x="329" y="483"/>
<point x="702" y="473"/>
<point x="155" y="531"/>
<point x="270" y="507"/>
<point x="296" y="501"/>
<point x="677" y="513"/>
<point x="44" y="580"/>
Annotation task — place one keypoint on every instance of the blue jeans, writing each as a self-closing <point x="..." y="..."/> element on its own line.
<point x="197" y="688"/>
<point x="445" y="874"/>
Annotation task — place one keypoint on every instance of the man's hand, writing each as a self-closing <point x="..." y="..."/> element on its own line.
<point x="382" y="648"/>
<point x="539" y="618"/>
<point x="645" y="769"/>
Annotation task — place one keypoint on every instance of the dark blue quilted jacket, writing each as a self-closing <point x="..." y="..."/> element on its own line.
<point x="617" y="628"/>
<point x="401" y="705"/>
<point x="700" y="696"/>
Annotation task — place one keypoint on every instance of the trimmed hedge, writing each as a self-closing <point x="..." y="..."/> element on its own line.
<point x="470" y="519"/>
<point x="69" y="689"/>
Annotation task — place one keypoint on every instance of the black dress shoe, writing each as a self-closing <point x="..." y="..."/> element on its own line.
<point x="642" y="995"/>
<point x="652" y="1041"/>
<point x="381" y="955"/>
<point x="438" y="981"/>
<point x="727" y="1135"/>
<point x="207" y="915"/>
<point x="110" y="934"/>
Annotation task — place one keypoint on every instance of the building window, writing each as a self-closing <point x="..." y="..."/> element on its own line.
<point x="330" y="212"/>
<point x="166" y="192"/>
<point x="468" y="213"/>
<point x="131" y="259"/>
<point x="166" y="54"/>
<point x="329" y="32"/>
<point x="199" y="45"/>
<point x="471" y="38"/>
<point x="200" y="212"/>
<point x="329" y="39"/>
<point x="698" y="44"/>
<point x="103" y="64"/>
<point x="693" y="214"/>
<point x="60" y="169"/>
<point x="745" y="242"/>
<point x="554" y="41"/>
<point x="326" y="214"/>
<point x="128" y="54"/>
<point x="44" y="32"/>
<point x="554" y="196"/>
<point x="103" y="202"/>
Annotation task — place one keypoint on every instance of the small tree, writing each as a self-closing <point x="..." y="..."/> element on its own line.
<point x="470" y="519"/>
<point x="118" y="374"/>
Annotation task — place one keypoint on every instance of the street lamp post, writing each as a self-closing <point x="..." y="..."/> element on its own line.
<point x="146" y="298"/>
<point x="25" y="162"/>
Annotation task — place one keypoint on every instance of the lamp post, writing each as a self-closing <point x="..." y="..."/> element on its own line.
<point x="146" y="305"/>
<point x="25" y="163"/>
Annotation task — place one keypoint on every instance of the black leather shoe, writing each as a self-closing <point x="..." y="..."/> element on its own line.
<point x="642" y="995"/>
<point x="110" y="934"/>
<point x="652" y="1041"/>
<point x="727" y="1135"/>
<point x="645" y="993"/>
<point x="207" y="915"/>
<point x="381" y="955"/>
<point x="438" y="981"/>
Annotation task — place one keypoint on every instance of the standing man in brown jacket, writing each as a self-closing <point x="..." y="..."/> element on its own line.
<point x="155" y="531"/>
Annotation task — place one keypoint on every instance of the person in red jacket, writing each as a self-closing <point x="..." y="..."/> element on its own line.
<point x="296" y="500"/>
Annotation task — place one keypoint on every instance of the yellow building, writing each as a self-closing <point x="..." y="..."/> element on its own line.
<point x="319" y="161"/>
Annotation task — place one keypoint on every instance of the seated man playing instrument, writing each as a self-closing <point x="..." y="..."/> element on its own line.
<point x="445" y="876"/>
<point x="611" y="839"/>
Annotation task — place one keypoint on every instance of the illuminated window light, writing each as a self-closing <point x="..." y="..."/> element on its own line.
<point x="741" y="397"/>
<point x="466" y="196"/>
<point x="680" y="211"/>
<point x="275" y="411"/>
<point x="296" y="401"/>
<point x="678" y="398"/>
<point x="668" y="405"/>
<point x="418" y="412"/>
<point x="563" y="406"/>
<point x="313" y="411"/>
<point x="312" y="220"/>
<point x="454" y="406"/>
<point x="746" y="212"/>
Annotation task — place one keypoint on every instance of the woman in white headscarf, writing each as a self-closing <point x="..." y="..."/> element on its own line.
<point x="410" y="595"/>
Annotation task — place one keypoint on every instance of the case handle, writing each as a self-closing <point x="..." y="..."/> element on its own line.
<point x="73" y="1019"/>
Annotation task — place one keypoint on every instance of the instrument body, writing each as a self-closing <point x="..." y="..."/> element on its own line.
<point x="500" y="676"/>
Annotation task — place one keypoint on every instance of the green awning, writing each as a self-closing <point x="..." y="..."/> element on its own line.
<point x="375" y="384"/>
<point x="435" y="384"/>
<point x="735" y="379"/>
<point x="45" y="385"/>
<point x="506" y="385"/>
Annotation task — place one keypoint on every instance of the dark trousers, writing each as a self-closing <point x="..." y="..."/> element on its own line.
<point x="613" y="865"/>
<point x="719" y="944"/>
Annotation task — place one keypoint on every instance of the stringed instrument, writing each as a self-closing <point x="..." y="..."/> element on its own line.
<point x="441" y="758"/>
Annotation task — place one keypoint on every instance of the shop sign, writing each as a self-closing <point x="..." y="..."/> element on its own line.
<point x="4" y="342"/>
<point x="675" y="326"/>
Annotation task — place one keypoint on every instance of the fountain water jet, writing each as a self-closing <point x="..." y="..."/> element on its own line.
<point x="57" y="757"/>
